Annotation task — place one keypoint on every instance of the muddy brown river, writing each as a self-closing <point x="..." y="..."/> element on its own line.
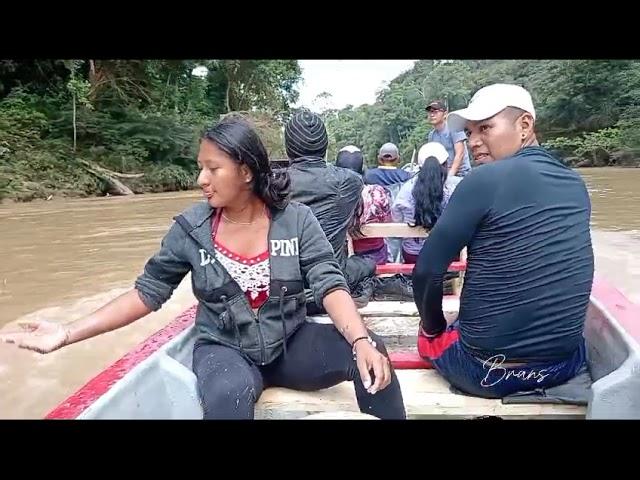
<point x="62" y="259"/>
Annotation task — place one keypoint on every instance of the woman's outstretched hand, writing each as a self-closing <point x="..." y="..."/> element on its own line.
<point x="39" y="336"/>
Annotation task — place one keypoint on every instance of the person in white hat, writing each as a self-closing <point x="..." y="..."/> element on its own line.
<point x="490" y="119"/>
<point x="422" y="199"/>
<point x="524" y="217"/>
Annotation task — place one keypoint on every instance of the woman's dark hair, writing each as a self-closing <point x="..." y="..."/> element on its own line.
<point x="353" y="161"/>
<point x="428" y="192"/>
<point x="235" y="136"/>
<point x="355" y="226"/>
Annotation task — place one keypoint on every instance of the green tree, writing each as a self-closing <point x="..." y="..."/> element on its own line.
<point x="128" y="116"/>
<point x="573" y="98"/>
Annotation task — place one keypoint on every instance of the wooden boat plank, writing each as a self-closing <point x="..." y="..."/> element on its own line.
<point x="450" y="303"/>
<point x="426" y="395"/>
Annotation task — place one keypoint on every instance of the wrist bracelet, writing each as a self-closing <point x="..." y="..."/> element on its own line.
<point x="353" y="344"/>
<point x="367" y="338"/>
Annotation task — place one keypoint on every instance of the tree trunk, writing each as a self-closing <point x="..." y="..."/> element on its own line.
<point x="226" y="97"/>
<point x="114" y="186"/>
<point x="92" y="72"/>
<point x="74" y="123"/>
<point x="94" y="80"/>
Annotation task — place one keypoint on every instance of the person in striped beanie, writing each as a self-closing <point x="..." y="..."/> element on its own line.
<point x="305" y="136"/>
<point x="331" y="192"/>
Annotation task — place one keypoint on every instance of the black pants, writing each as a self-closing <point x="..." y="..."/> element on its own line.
<point x="317" y="357"/>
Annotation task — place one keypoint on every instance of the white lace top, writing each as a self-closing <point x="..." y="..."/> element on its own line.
<point x="252" y="274"/>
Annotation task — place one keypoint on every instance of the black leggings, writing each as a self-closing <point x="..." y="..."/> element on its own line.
<point x="317" y="357"/>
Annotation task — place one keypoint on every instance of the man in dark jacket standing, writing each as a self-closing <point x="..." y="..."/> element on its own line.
<point x="331" y="192"/>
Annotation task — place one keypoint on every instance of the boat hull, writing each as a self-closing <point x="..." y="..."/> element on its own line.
<point x="155" y="380"/>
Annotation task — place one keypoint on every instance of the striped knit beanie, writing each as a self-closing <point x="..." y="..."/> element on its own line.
<point x="305" y="136"/>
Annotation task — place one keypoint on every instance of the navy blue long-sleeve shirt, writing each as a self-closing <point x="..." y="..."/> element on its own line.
<point x="525" y="222"/>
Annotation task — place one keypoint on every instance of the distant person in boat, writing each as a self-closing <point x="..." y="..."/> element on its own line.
<point x="248" y="250"/>
<point x="391" y="177"/>
<point x="387" y="172"/>
<point x="374" y="207"/>
<point x="524" y="217"/>
<point x="453" y="140"/>
<point x="422" y="199"/>
<point x="332" y="193"/>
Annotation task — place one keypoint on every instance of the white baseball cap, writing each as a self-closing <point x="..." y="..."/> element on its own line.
<point x="489" y="101"/>
<point x="432" y="149"/>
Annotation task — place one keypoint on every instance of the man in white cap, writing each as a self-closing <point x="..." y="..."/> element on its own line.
<point x="493" y="131"/>
<point x="524" y="217"/>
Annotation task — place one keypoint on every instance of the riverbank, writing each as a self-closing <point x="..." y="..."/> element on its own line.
<point x="601" y="158"/>
<point x="79" y="179"/>
<point x="167" y="179"/>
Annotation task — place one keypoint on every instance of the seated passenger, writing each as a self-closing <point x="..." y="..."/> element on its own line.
<point x="524" y="217"/>
<point x="422" y="199"/>
<point x="331" y="193"/>
<point x="374" y="207"/>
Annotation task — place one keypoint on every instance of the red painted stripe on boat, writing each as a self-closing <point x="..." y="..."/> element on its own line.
<point x="408" y="361"/>
<point x="101" y="383"/>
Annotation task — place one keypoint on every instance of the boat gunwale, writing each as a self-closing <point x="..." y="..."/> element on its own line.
<point x="612" y="303"/>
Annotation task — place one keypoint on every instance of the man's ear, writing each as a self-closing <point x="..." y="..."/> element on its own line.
<point x="525" y="123"/>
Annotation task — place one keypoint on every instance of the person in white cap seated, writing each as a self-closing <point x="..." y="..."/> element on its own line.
<point x="524" y="218"/>
<point x="422" y="199"/>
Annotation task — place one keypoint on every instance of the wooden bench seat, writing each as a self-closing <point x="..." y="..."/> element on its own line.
<point x="402" y="230"/>
<point x="426" y="395"/>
